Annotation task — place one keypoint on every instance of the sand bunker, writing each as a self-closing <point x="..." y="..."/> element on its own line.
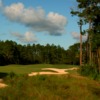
<point x="2" y="85"/>
<point x="56" y="71"/>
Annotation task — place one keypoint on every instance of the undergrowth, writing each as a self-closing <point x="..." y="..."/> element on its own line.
<point x="62" y="87"/>
<point x="90" y="70"/>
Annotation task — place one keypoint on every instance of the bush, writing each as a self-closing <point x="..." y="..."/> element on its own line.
<point x="11" y="74"/>
<point x="89" y="70"/>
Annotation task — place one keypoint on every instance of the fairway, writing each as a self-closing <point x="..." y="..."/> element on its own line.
<point x="25" y="69"/>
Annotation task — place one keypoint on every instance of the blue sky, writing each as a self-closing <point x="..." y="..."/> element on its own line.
<point x="39" y="21"/>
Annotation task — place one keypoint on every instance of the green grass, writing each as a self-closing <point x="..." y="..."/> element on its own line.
<point x="25" y="69"/>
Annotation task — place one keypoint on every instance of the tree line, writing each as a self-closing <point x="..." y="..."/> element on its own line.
<point x="13" y="53"/>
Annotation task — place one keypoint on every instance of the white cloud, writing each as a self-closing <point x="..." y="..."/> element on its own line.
<point x="52" y="23"/>
<point x="13" y="12"/>
<point x="56" y="18"/>
<point x="1" y="4"/>
<point x="77" y="36"/>
<point x="28" y="37"/>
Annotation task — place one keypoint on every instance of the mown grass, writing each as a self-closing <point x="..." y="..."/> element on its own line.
<point x="64" y="87"/>
<point x="25" y="69"/>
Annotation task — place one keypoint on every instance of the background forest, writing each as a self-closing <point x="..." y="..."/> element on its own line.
<point x="13" y="53"/>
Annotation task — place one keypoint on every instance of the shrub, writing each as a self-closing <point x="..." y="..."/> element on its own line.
<point x="89" y="70"/>
<point x="11" y="75"/>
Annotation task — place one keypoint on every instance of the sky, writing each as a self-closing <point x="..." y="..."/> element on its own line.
<point x="39" y="22"/>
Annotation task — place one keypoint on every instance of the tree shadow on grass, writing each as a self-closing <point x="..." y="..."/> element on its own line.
<point x="2" y="75"/>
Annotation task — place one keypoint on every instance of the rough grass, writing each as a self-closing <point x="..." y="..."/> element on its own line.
<point x="64" y="87"/>
<point x="42" y="87"/>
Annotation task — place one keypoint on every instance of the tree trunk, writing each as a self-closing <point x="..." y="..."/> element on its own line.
<point x="90" y="44"/>
<point x="80" y="46"/>
<point x="98" y="58"/>
<point x="87" y="51"/>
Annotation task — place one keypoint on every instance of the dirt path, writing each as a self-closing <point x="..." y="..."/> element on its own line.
<point x="56" y="71"/>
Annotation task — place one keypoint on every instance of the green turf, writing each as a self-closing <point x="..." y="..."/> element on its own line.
<point x="25" y="69"/>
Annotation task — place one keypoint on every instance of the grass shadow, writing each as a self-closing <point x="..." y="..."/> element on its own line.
<point x="2" y="75"/>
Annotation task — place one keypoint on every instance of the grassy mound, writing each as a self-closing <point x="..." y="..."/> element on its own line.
<point x="49" y="88"/>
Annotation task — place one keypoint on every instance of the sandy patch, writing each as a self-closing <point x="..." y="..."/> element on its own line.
<point x="46" y="73"/>
<point x="57" y="71"/>
<point x="2" y="85"/>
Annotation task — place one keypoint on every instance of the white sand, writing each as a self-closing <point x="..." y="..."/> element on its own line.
<point x="57" y="71"/>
